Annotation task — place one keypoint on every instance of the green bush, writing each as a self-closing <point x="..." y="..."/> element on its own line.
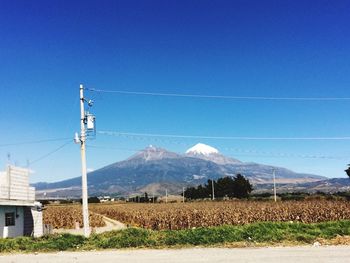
<point x="131" y="237"/>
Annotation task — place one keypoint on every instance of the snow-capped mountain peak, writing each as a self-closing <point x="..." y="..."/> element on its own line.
<point x="206" y="152"/>
<point x="202" y="149"/>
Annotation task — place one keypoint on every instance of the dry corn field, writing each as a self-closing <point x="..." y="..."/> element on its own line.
<point x="65" y="217"/>
<point x="204" y="214"/>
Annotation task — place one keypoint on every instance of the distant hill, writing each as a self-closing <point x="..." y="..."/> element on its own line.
<point x="154" y="169"/>
<point x="331" y="185"/>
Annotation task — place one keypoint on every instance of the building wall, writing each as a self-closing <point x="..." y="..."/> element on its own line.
<point x="38" y="222"/>
<point x="33" y="221"/>
<point x="17" y="229"/>
<point x="14" y="184"/>
<point x="16" y="195"/>
<point x="3" y="178"/>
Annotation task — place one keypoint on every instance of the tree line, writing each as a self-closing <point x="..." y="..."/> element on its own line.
<point x="236" y="187"/>
<point x="143" y="199"/>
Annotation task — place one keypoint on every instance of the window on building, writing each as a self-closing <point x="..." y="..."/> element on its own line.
<point x="10" y="219"/>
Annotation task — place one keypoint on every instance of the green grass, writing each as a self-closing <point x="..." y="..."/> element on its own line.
<point x="265" y="232"/>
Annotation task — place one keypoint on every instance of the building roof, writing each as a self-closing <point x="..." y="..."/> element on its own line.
<point x="7" y="202"/>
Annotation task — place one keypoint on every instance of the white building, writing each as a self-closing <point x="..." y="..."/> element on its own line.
<point x="20" y="215"/>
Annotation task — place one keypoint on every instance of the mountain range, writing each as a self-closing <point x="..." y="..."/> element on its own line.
<point x="155" y="169"/>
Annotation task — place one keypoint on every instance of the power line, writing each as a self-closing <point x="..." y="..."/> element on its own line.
<point x="285" y="155"/>
<point x="33" y="142"/>
<point x="236" y="150"/>
<point x="51" y="152"/>
<point x="116" y="133"/>
<point x="243" y="153"/>
<point x="142" y="93"/>
<point x="112" y="148"/>
<point x="75" y="103"/>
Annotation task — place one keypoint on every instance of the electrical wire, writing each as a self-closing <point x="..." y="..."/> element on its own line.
<point x="242" y="153"/>
<point x="285" y="155"/>
<point x="117" y="133"/>
<point x="112" y="148"/>
<point x="227" y="149"/>
<point x="142" y="93"/>
<point x="72" y="117"/>
<point x="51" y="152"/>
<point x="33" y="142"/>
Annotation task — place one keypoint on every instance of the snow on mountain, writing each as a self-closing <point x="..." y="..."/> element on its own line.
<point x="157" y="166"/>
<point x="209" y="153"/>
<point x="203" y="149"/>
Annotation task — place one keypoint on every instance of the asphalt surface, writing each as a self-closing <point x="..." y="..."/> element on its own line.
<point x="236" y="255"/>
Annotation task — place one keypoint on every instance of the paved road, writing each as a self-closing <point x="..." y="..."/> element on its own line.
<point x="236" y="255"/>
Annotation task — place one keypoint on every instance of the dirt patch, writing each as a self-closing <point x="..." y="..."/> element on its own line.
<point x="110" y="225"/>
<point x="338" y="240"/>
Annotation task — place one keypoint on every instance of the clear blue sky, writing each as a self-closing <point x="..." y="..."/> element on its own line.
<point x="241" y="48"/>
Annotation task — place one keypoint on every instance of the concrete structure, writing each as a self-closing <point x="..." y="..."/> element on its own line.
<point x="106" y="198"/>
<point x="19" y="213"/>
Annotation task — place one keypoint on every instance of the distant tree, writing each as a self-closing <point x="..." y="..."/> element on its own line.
<point x="92" y="199"/>
<point x="238" y="187"/>
<point x="190" y="192"/>
<point x="142" y="199"/>
<point x="348" y="171"/>
<point x="241" y="187"/>
<point x="225" y="187"/>
<point x="202" y="192"/>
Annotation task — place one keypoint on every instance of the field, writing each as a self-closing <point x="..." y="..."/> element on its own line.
<point x="230" y="223"/>
<point x="176" y="216"/>
<point x="205" y="214"/>
<point x="66" y="216"/>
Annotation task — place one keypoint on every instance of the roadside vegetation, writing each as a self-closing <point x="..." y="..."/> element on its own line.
<point x="242" y="235"/>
